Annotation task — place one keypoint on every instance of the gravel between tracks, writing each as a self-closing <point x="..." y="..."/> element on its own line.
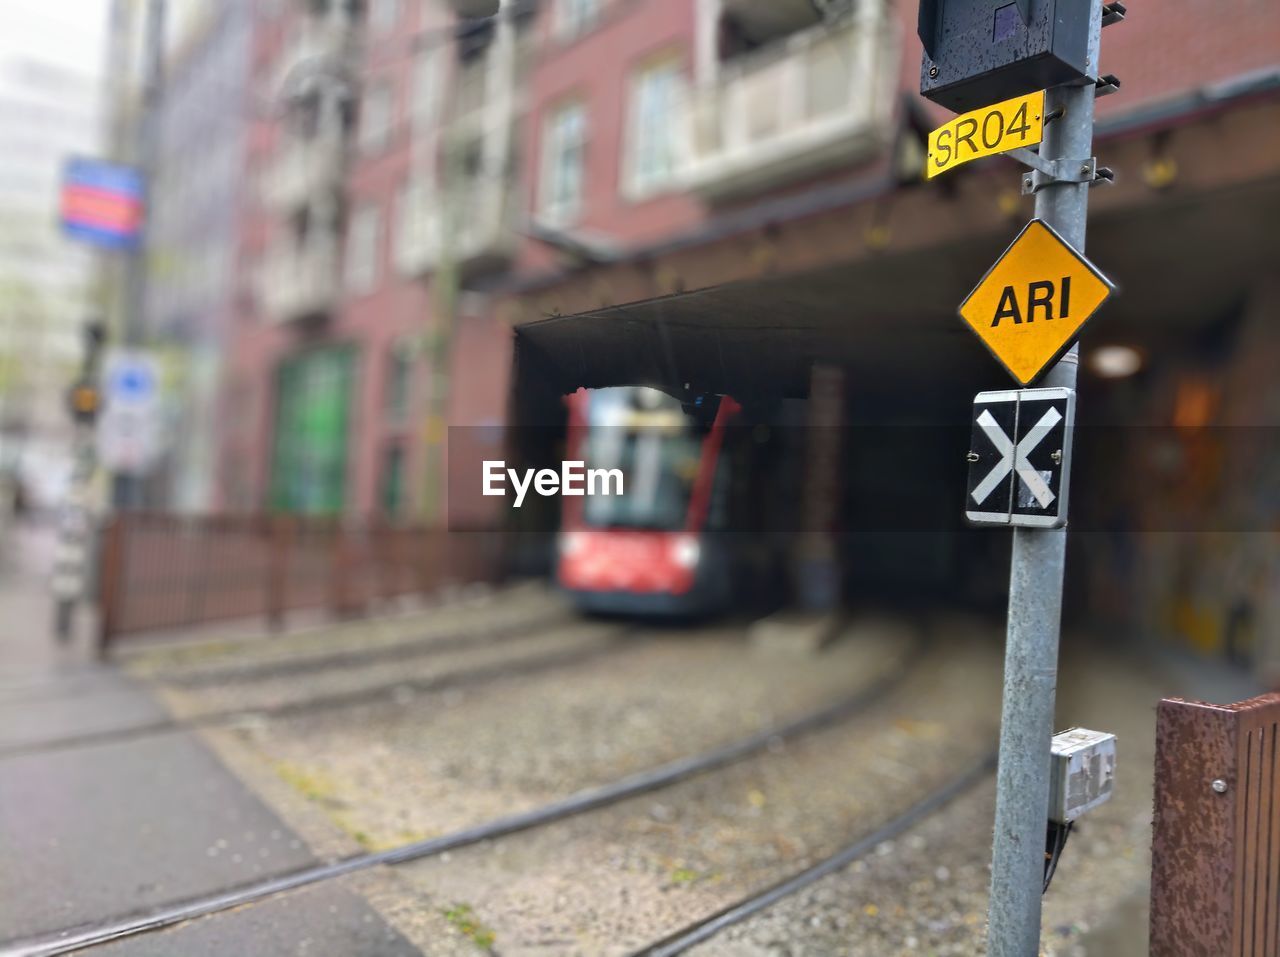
<point x="392" y="772"/>
<point x="394" y="678"/>
<point x="614" y="880"/>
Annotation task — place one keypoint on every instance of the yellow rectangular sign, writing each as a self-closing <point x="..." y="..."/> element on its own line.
<point x="993" y="129"/>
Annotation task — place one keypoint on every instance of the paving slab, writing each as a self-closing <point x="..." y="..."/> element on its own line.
<point x="111" y="703"/>
<point x="104" y="831"/>
<point x="325" y="920"/>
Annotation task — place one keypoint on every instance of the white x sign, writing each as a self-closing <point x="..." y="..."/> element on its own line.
<point x="1014" y="458"/>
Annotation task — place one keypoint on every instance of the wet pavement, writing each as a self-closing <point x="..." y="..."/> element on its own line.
<point x="88" y="834"/>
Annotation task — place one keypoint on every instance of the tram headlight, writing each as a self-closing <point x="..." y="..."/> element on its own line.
<point x="686" y="551"/>
<point x="571" y="543"/>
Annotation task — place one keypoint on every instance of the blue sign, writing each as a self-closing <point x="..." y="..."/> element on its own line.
<point x="131" y="378"/>
<point x="133" y="383"/>
<point x="131" y="427"/>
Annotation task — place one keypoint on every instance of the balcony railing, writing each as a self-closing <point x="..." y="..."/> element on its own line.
<point x="320" y="42"/>
<point x="304" y="169"/>
<point x="480" y="218"/>
<point x="296" y="283"/>
<point x="819" y="98"/>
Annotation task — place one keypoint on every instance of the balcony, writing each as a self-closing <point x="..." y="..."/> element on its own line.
<point x="761" y="19"/>
<point x="303" y="170"/>
<point x="299" y="282"/>
<point x="481" y="223"/>
<point x="818" y="98"/>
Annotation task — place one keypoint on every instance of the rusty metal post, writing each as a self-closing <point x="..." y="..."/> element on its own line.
<point x="280" y="534"/>
<point x="1215" y="850"/>
<point x="342" y="589"/>
<point x="110" y="580"/>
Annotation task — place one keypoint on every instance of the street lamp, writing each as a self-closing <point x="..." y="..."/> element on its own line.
<point x="1115" y="361"/>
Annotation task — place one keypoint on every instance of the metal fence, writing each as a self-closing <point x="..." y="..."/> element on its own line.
<point x="163" y="571"/>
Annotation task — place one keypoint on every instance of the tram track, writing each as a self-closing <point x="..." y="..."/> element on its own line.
<point x="402" y="687"/>
<point x="463" y="639"/>
<point x="588" y="799"/>
<point x="707" y="927"/>
<point x="476" y="635"/>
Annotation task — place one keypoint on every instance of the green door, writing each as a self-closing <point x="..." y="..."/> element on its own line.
<point x="309" y="461"/>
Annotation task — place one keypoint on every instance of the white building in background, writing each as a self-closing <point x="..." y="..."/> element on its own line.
<point x="47" y="113"/>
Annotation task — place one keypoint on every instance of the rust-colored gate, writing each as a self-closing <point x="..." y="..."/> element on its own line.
<point x="1215" y="880"/>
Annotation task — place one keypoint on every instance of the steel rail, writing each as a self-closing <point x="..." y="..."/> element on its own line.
<point x="77" y="683"/>
<point x="423" y="646"/>
<point x="699" y="931"/>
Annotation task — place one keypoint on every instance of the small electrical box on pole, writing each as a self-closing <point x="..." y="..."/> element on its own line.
<point x="979" y="51"/>
<point x="1084" y="773"/>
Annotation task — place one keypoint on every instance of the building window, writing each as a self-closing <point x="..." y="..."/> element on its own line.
<point x="391" y="491"/>
<point x="563" y="163"/>
<point x="575" y="17"/>
<point x="426" y="87"/>
<point x="383" y="15"/>
<point x="653" y="140"/>
<point x="363" y="246"/>
<point x="397" y="384"/>
<point x="409" y="228"/>
<point x="375" y="119"/>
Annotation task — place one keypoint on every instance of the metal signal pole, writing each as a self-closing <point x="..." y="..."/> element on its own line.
<point x="1035" y="592"/>
<point x="127" y="489"/>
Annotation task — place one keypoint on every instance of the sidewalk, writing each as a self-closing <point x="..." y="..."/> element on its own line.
<point x="95" y="832"/>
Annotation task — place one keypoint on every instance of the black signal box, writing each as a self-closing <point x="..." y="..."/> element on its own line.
<point x="978" y="52"/>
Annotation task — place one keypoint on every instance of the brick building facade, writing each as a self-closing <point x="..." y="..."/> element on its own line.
<point x="430" y="191"/>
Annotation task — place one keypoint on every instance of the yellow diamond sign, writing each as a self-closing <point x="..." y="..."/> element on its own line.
<point x="1031" y="304"/>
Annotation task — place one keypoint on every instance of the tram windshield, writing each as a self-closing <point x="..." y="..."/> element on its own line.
<point x="645" y="435"/>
